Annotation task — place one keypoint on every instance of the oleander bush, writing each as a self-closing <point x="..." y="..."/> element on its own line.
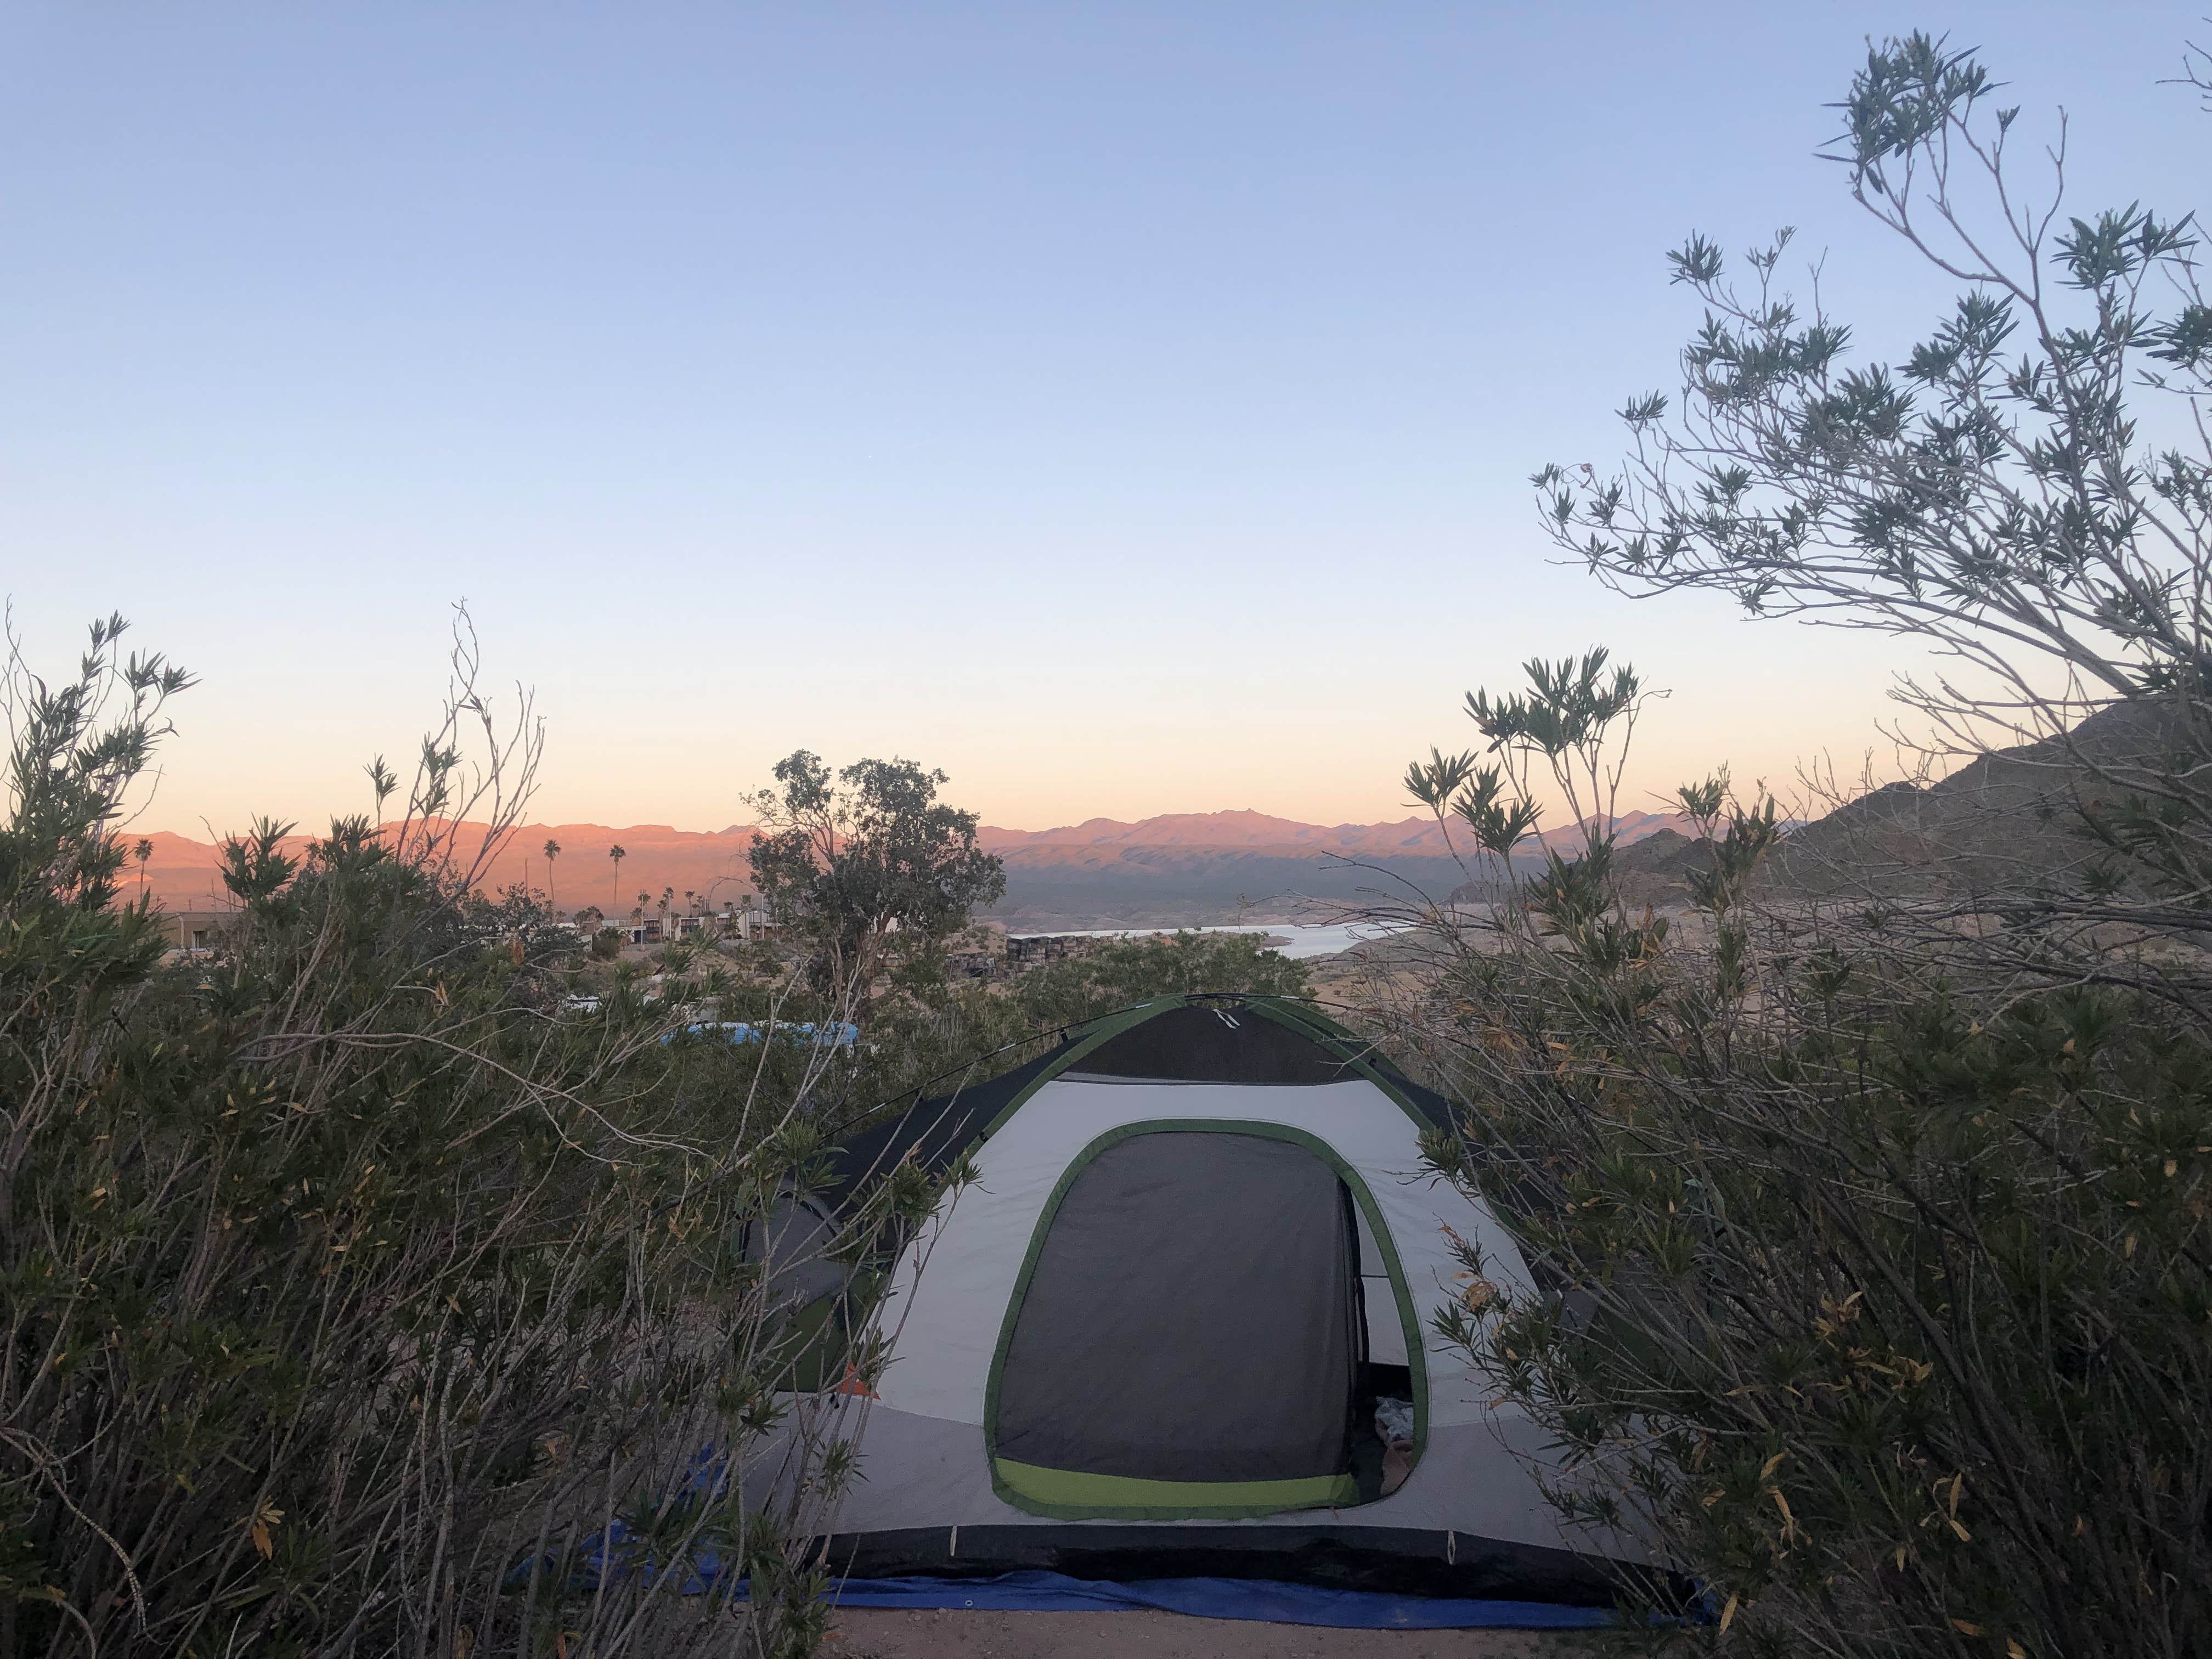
<point x="352" y="1292"/>
<point x="1878" y="1306"/>
<point x="1863" y="1169"/>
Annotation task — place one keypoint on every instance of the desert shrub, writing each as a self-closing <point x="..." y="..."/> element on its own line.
<point x="1120" y="973"/>
<point x="351" y="1293"/>
<point x="942" y="1034"/>
<point x="1867" y="1214"/>
<point x="1878" y="1305"/>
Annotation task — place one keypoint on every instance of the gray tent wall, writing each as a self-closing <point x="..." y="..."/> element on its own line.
<point x="1129" y="1345"/>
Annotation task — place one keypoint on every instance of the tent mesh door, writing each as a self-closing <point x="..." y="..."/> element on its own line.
<point x="1190" y="1316"/>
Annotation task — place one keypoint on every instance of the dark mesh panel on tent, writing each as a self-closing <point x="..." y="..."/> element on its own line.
<point x="933" y="1131"/>
<point x="1179" y="1043"/>
<point x="1190" y="1317"/>
<point x="1210" y="1045"/>
<point x="793" y="1243"/>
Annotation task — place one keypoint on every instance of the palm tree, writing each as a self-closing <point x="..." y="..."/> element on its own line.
<point x="552" y="852"/>
<point x="617" y="853"/>
<point x="143" y="852"/>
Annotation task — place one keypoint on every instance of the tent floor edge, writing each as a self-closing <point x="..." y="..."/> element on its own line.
<point x="1398" y="1560"/>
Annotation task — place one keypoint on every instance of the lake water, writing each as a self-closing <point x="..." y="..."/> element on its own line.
<point x="1306" y="938"/>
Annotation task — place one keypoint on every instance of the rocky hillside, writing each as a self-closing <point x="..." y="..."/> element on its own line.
<point x="2004" y="822"/>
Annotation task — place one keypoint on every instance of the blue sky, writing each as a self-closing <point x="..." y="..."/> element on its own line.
<point x="1127" y="409"/>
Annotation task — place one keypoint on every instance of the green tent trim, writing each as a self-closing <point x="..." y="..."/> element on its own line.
<point x="1068" y="1494"/>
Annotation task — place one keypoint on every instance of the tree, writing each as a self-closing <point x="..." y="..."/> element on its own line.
<point x="1992" y="493"/>
<point x="618" y="854"/>
<point x="850" y="859"/>
<point x="552" y="852"/>
<point x="143" y="852"/>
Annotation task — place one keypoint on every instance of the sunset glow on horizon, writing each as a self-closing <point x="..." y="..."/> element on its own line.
<point x="1127" y="413"/>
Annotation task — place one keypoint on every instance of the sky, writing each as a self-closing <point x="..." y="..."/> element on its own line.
<point x="1127" y="409"/>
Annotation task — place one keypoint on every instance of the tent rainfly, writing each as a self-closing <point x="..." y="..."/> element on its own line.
<point x="1180" y="1322"/>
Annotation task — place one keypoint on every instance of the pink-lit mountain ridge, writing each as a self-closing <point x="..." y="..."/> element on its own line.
<point x="1179" y="867"/>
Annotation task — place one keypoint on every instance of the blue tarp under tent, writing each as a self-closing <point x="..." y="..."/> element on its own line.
<point x="1267" y="1600"/>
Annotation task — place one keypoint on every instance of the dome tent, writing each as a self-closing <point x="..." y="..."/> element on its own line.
<point x="1178" y="1320"/>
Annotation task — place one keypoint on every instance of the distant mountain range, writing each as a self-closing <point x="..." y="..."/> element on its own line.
<point x="1180" y="867"/>
<point x="1226" y="866"/>
<point x="2007" y="819"/>
<point x="1250" y="831"/>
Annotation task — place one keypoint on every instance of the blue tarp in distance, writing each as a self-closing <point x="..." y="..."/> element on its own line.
<point x="804" y="1034"/>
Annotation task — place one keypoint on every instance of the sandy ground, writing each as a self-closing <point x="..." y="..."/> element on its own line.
<point x="945" y="1634"/>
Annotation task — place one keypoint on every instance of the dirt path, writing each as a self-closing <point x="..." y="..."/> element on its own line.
<point x="950" y="1633"/>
